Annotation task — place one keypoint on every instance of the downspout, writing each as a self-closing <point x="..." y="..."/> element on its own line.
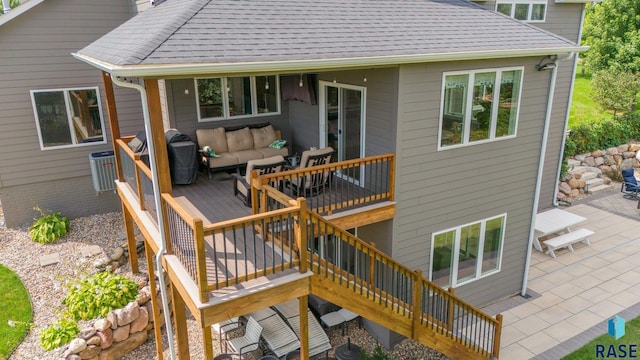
<point x="566" y="122"/>
<point x="536" y="196"/>
<point x="156" y="195"/>
<point x="5" y="6"/>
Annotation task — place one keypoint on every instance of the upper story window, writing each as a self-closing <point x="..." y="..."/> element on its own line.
<point x="479" y="106"/>
<point x="526" y="10"/>
<point x="243" y="96"/>
<point x="468" y="252"/>
<point x="68" y="117"/>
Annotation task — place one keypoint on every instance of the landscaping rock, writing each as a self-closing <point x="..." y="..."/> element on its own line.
<point x="596" y="153"/>
<point x="589" y="161"/>
<point x="89" y="352"/>
<point x="76" y="345"/>
<point x="121" y="333"/>
<point x="101" y="262"/>
<point x="141" y="322"/>
<point x="117" y="253"/>
<point x="106" y="338"/>
<point x="149" y="307"/>
<point x="120" y="349"/>
<point x="612" y="151"/>
<point x="599" y="161"/>
<point x="87" y="333"/>
<point x="127" y="314"/>
<point x="624" y="147"/>
<point x="72" y="357"/>
<point x="111" y="317"/>
<point x="573" y="183"/>
<point x="102" y="324"/>
<point x="629" y="163"/>
<point x="628" y="154"/>
<point x="144" y="295"/>
<point x="564" y="188"/>
<point x="94" y="340"/>
<point x="634" y="147"/>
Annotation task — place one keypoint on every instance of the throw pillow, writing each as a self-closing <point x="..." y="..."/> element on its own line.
<point x="278" y="144"/>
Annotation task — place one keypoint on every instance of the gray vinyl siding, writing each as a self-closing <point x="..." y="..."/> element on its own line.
<point x="563" y="20"/>
<point x="438" y="190"/>
<point x="305" y="129"/>
<point x="183" y="113"/>
<point x="36" y="54"/>
<point x="74" y="197"/>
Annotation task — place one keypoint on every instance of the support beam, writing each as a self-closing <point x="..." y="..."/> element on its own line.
<point x="303" y="303"/>
<point x="155" y="306"/>
<point x="157" y="133"/>
<point x="208" y="342"/>
<point x="131" y="240"/>
<point x="114" y="124"/>
<point x="180" y="324"/>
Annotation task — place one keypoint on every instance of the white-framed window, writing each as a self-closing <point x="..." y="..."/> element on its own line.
<point x="243" y="97"/>
<point x="525" y="10"/>
<point x="479" y="106"/>
<point x="68" y="117"/>
<point x="467" y="253"/>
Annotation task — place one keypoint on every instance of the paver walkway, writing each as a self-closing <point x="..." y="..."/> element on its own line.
<point x="572" y="296"/>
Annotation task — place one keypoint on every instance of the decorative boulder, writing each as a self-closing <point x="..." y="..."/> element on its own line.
<point x="141" y="322"/>
<point x="121" y="333"/>
<point x="106" y="338"/>
<point x="102" y="324"/>
<point x="89" y="352"/>
<point x="127" y="314"/>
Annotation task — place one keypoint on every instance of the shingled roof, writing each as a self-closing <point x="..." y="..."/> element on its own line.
<point x="187" y="36"/>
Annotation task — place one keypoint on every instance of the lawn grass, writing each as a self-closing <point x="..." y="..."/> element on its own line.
<point x="632" y="334"/>
<point x="583" y="108"/>
<point x="15" y="306"/>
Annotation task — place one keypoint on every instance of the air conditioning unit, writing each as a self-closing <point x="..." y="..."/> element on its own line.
<point x="103" y="170"/>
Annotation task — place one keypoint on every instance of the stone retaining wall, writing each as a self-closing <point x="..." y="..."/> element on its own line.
<point x="119" y="333"/>
<point x="600" y="165"/>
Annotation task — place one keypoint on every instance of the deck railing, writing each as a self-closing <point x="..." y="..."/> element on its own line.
<point x="138" y="175"/>
<point x="355" y="265"/>
<point x="338" y="186"/>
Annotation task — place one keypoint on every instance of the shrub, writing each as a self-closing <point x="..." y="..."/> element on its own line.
<point x="59" y="333"/>
<point x="48" y="228"/>
<point x="377" y="354"/>
<point x="603" y="134"/>
<point x="98" y="294"/>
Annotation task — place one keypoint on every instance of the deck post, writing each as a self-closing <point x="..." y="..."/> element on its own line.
<point x="255" y="185"/>
<point x="304" y="326"/>
<point x="208" y="342"/>
<point x="155" y="307"/>
<point x="302" y="233"/>
<point x="417" y="303"/>
<point x="131" y="240"/>
<point x="198" y="232"/>
<point x="496" y="337"/>
<point x="112" y="114"/>
<point x="180" y="323"/>
<point x="450" y="309"/>
<point x="372" y="266"/>
<point x="157" y="135"/>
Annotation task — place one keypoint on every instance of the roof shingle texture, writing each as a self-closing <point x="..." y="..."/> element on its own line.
<point x="231" y="31"/>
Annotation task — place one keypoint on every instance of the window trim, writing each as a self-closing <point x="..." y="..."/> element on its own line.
<point x="530" y="11"/>
<point x="456" y="251"/>
<point x="67" y="101"/>
<point x="225" y="98"/>
<point x="469" y="104"/>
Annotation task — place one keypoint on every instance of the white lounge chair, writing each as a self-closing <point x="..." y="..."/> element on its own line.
<point x="224" y="327"/>
<point x="276" y="333"/>
<point x="250" y="341"/>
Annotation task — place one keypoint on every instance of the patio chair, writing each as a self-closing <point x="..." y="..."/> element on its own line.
<point x="312" y="184"/>
<point x="242" y="184"/>
<point x="630" y="186"/>
<point x="250" y="341"/>
<point x="224" y="327"/>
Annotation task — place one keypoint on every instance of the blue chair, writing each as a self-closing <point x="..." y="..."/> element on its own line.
<point x="630" y="186"/>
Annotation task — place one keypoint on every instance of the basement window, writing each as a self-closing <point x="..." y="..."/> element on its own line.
<point x="68" y="117"/>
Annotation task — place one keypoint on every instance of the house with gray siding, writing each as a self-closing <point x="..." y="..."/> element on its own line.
<point x="470" y="99"/>
<point x="53" y="111"/>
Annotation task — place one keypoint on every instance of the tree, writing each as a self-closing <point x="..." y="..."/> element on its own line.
<point x="612" y="30"/>
<point x="615" y="89"/>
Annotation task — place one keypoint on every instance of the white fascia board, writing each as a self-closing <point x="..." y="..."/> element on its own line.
<point x="19" y="10"/>
<point x="576" y="1"/>
<point x="171" y="70"/>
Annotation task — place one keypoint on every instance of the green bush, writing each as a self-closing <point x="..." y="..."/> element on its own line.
<point x="604" y="134"/>
<point x="59" y="333"/>
<point x="98" y="294"/>
<point x="377" y="354"/>
<point x="48" y="228"/>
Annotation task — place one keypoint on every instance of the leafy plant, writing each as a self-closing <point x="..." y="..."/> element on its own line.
<point x="377" y="354"/>
<point x="59" y="333"/>
<point x="48" y="228"/>
<point x="98" y="294"/>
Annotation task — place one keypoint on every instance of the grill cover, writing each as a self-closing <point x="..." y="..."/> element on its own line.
<point x="183" y="162"/>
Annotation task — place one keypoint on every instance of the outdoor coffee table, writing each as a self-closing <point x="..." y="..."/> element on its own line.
<point x="552" y="222"/>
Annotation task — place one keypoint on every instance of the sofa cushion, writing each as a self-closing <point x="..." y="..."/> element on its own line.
<point x="269" y="152"/>
<point x="222" y="160"/>
<point x="239" y="140"/>
<point x="246" y="155"/>
<point x="263" y="137"/>
<point x="214" y="138"/>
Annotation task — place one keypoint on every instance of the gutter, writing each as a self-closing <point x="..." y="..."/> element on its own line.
<point x="158" y="204"/>
<point x="566" y="122"/>
<point x="543" y="151"/>
<point x="165" y="70"/>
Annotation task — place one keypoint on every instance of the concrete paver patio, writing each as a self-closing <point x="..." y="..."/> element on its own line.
<point x="574" y="295"/>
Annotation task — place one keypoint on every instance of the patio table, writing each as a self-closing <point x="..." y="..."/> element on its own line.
<point x="554" y="221"/>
